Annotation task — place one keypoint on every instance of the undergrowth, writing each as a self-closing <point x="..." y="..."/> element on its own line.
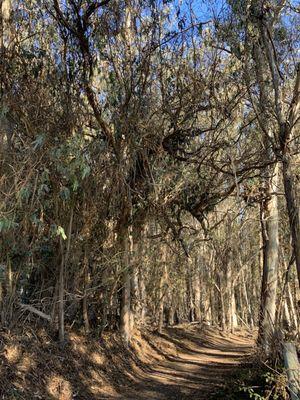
<point x="256" y="382"/>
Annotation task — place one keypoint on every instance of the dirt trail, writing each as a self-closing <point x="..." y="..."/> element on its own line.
<point x="183" y="362"/>
<point x="198" y="364"/>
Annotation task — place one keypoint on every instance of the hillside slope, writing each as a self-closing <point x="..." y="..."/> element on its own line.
<point x="181" y="362"/>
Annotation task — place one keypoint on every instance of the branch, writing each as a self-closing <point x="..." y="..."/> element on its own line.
<point x="93" y="7"/>
<point x="34" y="310"/>
<point x="61" y="18"/>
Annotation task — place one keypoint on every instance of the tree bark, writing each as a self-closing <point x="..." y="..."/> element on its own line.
<point x="270" y="235"/>
<point x="142" y="296"/>
<point x="125" y="317"/>
<point x="61" y="309"/>
<point x="245" y="291"/>
<point x="197" y="295"/>
<point x="292" y="207"/>
<point x="61" y="285"/>
<point x="162" y="289"/>
<point x="292" y="367"/>
<point x="291" y="306"/>
<point x="6" y="8"/>
<point x="85" y="313"/>
<point x="190" y="290"/>
<point x="6" y="37"/>
<point x="286" y="127"/>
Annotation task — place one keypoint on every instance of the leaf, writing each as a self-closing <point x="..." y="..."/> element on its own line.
<point x="3" y="111"/>
<point x="75" y="185"/>
<point x="7" y="224"/>
<point x="61" y="232"/>
<point x="35" y="220"/>
<point x="200" y="29"/>
<point x="24" y="193"/>
<point x="86" y="171"/>
<point x="65" y="193"/>
<point x="43" y="189"/>
<point x="38" y="142"/>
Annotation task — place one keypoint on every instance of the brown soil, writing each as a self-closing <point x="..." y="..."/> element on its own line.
<point x="183" y="362"/>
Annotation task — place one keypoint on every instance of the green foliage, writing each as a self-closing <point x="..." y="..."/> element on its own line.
<point x="239" y="7"/>
<point x="61" y="232"/>
<point x="72" y="165"/>
<point x="274" y="388"/>
<point x="43" y="189"/>
<point x="65" y="193"/>
<point x="7" y="224"/>
<point x="35" y="220"/>
<point x="38" y="142"/>
<point x="257" y="383"/>
<point x="24" y="194"/>
<point x="252" y="394"/>
<point x="3" y="110"/>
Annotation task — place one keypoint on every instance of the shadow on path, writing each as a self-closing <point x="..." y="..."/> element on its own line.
<point x="202" y="363"/>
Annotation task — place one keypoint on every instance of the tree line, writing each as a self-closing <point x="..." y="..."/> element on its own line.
<point x="149" y="164"/>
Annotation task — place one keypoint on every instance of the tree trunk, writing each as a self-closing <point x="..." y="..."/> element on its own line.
<point x="293" y="208"/>
<point x="85" y="313"/>
<point x="135" y="242"/>
<point x="221" y="305"/>
<point x="190" y="294"/>
<point x="61" y="309"/>
<point x="61" y="285"/>
<point x="5" y="24"/>
<point x="291" y="306"/>
<point x="160" y="312"/>
<point x="286" y="126"/>
<point x="171" y="314"/>
<point x="162" y="289"/>
<point x="270" y="235"/>
<point x="134" y="295"/>
<point x="233" y="320"/>
<point x="231" y="306"/>
<point x="292" y="367"/>
<point x="250" y="317"/>
<point x="6" y="125"/>
<point x="286" y="315"/>
<point x="125" y="317"/>
<point x="197" y="295"/>
<point x="142" y="295"/>
<point x="211" y="309"/>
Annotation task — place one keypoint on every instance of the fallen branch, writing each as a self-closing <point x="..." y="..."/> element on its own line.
<point x="34" y="310"/>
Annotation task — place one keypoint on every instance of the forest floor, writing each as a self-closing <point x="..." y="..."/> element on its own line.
<point x="180" y="363"/>
<point x="198" y="366"/>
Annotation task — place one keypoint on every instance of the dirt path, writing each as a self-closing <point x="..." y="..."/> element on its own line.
<point x="183" y="362"/>
<point x="197" y="366"/>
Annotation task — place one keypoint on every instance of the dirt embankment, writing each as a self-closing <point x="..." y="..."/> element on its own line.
<point x="181" y="362"/>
